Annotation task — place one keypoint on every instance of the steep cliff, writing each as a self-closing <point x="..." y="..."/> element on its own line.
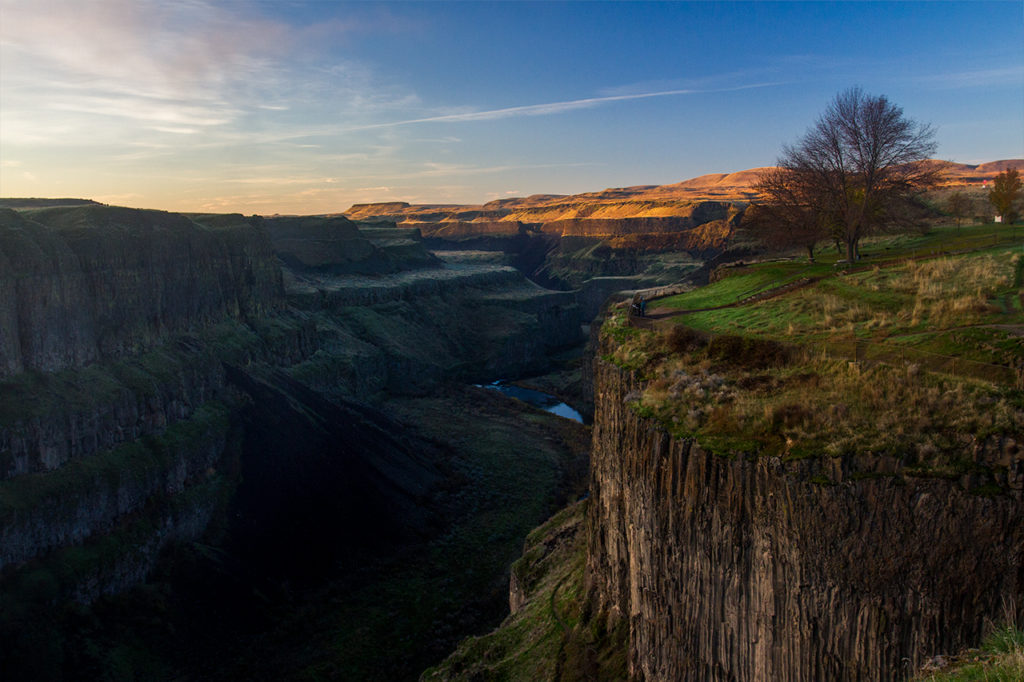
<point x="613" y="227"/>
<point x="84" y="283"/>
<point x="166" y="379"/>
<point x="460" y="229"/>
<point x="335" y="245"/>
<point x="736" y="568"/>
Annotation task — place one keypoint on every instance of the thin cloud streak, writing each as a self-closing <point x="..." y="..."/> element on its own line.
<point x="982" y="78"/>
<point x="553" y="107"/>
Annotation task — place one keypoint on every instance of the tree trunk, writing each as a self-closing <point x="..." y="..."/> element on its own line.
<point x="810" y="253"/>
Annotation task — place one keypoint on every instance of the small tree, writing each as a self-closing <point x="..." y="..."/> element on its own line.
<point x="959" y="206"/>
<point x="1004" y="193"/>
<point x="861" y="168"/>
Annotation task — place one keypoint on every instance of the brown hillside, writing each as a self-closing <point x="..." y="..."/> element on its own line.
<point x="676" y="200"/>
<point x="1000" y="166"/>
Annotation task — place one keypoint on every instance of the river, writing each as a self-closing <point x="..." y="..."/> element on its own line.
<point x="544" y="401"/>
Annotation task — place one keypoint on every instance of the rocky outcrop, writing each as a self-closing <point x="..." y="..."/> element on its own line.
<point x="83" y="283"/>
<point x="760" y="569"/>
<point x="461" y="229"/>
<point x="335" y="245"/>
<point x="402" y="334"/>
<point x="611" y="227"/>
<point x="314" y="291"/>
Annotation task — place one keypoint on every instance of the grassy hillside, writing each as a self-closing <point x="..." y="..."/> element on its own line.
<point x="915" y="354"/>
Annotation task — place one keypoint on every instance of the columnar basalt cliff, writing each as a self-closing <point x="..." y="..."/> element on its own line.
<point x="755" y="569"/>
<point x="85" y="283"/>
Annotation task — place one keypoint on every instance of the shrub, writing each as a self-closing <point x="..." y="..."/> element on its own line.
<point x="748" y="352"/>
<point x="682" y="339"/>
<point x="788" y="416"/>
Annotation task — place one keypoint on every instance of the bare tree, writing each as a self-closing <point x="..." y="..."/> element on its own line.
<point x="1003" y="195"/>
<point x="861" y="168"/>
<point x="787" y="216"/>
<point x="959" y="205"/>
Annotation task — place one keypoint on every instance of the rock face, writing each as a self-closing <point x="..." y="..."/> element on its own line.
<point x="155" y="369"/>
<point x="335" y="245"/>
<point x="83" y="283"/>
<point x="612" y="227"/>
<point x="460" y="229"/>
<point x="749" y="569"/>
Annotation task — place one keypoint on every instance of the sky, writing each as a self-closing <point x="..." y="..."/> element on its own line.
<point x="280" y="106"/>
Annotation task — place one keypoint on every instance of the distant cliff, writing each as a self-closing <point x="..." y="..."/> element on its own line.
<point x="759" y="569"/>
<point x="335" y="245"/>
<point x="79" y="284"/>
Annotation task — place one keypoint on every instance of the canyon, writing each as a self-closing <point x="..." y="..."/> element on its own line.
<point x="237" y="447"/>
<point x="249" y="403"/>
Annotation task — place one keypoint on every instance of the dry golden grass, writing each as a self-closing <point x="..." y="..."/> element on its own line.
<point x="948" y="291"/>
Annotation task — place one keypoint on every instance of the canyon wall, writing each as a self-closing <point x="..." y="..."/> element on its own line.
<point x="760" y="569"/>
<point x="461" y="229"/>
<point x="335" y="245"/>
<point x="79" y="284"/>
<point x="156" y="368"/>
<point x="614" y="227"/>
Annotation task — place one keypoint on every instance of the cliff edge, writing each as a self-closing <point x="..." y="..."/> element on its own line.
<point x="756" y="568"/>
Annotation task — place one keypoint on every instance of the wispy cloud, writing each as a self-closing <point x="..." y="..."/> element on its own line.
<point x="123" y="71"/>
<point x="85" y="70"/>
<point x="979" y="78"/>
<point x="551" y="108"/>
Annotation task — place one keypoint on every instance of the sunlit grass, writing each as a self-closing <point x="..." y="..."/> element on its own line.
<point x="912" y="359"/>
<point x="741" y="282"/>
<point x="909" y="304"/>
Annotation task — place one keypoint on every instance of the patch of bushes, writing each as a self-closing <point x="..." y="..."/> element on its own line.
<point x="680" y="339"/>
<point x="748" y="352"/>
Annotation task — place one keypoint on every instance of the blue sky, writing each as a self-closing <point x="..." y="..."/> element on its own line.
<point x="306" y="107"/>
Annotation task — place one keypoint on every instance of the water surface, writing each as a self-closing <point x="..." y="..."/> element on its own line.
<point x="544" y="401"/>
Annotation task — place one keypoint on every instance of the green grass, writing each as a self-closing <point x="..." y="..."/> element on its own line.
<point x="935" y="344"/>
<point x="526" y="645"/>
<point x="965" y="306"/>
<point x="999" y="659"/>
<point x="742" y="282"/>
